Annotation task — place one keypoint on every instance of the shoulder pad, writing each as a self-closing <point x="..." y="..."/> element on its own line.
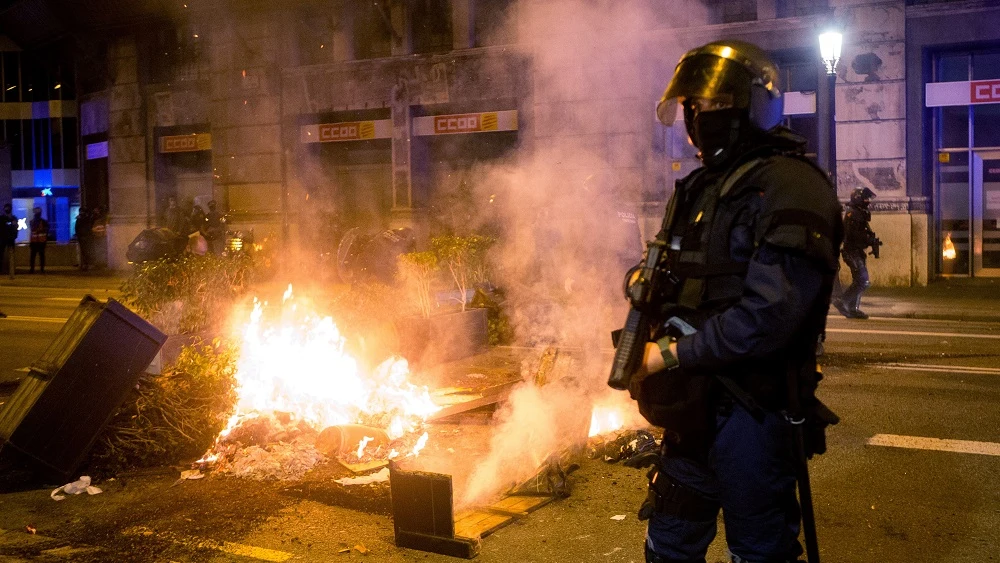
<point x="799" y="210"/>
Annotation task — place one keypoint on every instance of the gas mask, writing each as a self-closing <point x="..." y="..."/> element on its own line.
<point x="716" y="133"/>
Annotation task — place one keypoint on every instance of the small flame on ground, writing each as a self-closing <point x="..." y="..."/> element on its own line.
<point x="604" y="420"/>
<point x="362" y="444"/>
<point x="421" y="442"/>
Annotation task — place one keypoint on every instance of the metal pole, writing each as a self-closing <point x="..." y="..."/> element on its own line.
<point x="831" y="165"/>
<point x="824" y="118"/>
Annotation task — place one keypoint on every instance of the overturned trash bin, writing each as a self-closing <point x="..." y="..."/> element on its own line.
<point x="72" y="391"/>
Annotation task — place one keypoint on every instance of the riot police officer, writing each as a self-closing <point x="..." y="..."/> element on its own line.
<point x="858" y="237"/>
<point x="753" y="237"/>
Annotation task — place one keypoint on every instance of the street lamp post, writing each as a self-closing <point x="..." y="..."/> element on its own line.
<point x="830" y="44"/>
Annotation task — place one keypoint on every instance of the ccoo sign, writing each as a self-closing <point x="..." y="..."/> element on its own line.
<point x="984" y="91"/>
<point x="467" y="123"/>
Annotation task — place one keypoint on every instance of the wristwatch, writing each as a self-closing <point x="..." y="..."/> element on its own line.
<point x="669" y="359"/>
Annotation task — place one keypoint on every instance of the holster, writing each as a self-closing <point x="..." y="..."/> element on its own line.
<point x="666" y="496"/>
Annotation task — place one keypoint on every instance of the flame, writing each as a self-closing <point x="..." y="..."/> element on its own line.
<point x="949" y="252"/>
<point x="613" y="412"/>
<point x="297" y="364"/>
<point x="362" y="444"/>
<point x="605" y="419"/>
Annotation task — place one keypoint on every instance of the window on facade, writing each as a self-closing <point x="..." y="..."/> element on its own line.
<point x="43" y="143"/>
<point x="13" y="136"/>
<point x="316" y="28"/>
<point x="952" y="68"/>
<point x="372" y="30"/>
<point x="27" y="145"/>
<point x="431" y="26"/>
<point x="11" y="77"/>
<point x="796" y="8"/>
<point x="986" y="125"/>
<point x="495" y="22"/>
<point x="92" y="59"/>
<point x="985" y="66"/>
<point x="731" y="11"/>
<point x="56" y="134"/>
<point x="954" y="123"/>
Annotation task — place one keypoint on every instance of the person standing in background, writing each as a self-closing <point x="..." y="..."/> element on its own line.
<point x="39" y="238"/>
<point x="8" y="239"/>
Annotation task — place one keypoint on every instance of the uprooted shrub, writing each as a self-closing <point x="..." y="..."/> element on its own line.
<point x="191" y="293"/>
<point x="174" y="416"/>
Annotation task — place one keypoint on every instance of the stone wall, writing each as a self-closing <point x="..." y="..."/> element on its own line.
<point x="128" y="189"/>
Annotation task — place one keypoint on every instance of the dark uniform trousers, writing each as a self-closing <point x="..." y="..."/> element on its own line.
<point x="856" y="261"/>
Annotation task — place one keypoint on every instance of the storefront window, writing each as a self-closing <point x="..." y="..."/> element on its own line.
<point x="986" y="125"/>
<point x="985" y="66"/>
<point x="954" y="123"/>
<point x="953" y="210"/>
<point x="952" y="68"/>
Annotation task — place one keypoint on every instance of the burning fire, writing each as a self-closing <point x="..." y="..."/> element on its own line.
<point x="612" y="413"/>
<point x="949" y="252"/>
<point x="296" y="366"/>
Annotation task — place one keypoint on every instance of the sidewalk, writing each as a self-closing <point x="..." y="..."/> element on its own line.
<point x="950" y="299"/>
<point x="66" y="277"/>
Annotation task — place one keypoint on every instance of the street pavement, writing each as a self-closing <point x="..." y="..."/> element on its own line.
<point x="910" y="474"/>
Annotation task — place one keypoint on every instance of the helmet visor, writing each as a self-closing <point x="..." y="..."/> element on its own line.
<point x="704" y="76"/>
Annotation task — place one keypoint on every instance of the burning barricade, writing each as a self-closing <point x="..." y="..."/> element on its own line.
<point x="302" y="398"/>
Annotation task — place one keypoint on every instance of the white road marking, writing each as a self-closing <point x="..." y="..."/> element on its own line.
<point x="940" y="368"/>
<point x="34" y="319"/>
<point x="920" y="443"/>
<point x="231" y="548"/>
<point x="73" y="299"/>
<point x="913" y="333"/>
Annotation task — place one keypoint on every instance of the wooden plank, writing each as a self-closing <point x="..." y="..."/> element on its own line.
<point x="363" y="467"/>
<point x="481" y="524"/>
<point x="521" y="504"/>
<point x="466" y="548"/>
<point x="490" y="395"/>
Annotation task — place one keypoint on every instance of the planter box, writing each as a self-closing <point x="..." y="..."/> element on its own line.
<point x="442" y="338"/>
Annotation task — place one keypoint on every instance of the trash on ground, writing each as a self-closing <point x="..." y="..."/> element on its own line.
<point x="192" y="474"/>
<point x="76" y="487"/>
<point x="618" y="517"/>
<point x="378" y="477"/>
<point x="31" y="529"/>
<point x="625" y="445"/>
<point x="361" y="548"/>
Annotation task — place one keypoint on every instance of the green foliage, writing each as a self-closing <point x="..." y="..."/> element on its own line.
<point x="498" y="328"/>
<point x="418" y="270"/>
<point x="465" y="258"/>
<point x="205" y="287"/>
<point x="174" y="416"/>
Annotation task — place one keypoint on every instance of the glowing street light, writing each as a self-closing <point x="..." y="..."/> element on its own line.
<point x="829" y="49"/>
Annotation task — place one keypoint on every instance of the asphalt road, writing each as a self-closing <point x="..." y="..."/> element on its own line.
<point x="911" y="475"/>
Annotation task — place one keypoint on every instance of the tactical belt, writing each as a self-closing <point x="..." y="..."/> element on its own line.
<point x="666" y="496"/>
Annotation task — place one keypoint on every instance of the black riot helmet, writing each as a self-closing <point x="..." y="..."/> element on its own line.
<point x="738" y="72"/>
<point x="860" y="197"/>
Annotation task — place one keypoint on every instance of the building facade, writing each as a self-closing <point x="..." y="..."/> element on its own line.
<point x="311" y="118"/>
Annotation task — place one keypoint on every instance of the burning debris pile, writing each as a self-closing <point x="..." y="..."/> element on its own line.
<point x="303" y="398"/>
